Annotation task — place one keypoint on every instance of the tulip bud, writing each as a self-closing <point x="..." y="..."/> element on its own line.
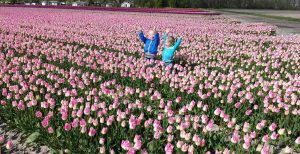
<point x="9" y="145"/>
<point x="281" y="131"/>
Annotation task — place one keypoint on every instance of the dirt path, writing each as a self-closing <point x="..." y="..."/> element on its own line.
<point x="280" y="13"/>
<point x="19" y="144"/>
<point x="285" y="27"/>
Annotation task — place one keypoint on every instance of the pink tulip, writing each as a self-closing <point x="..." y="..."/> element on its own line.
<point x="217" y="111"/>
<point x="272" y="127"/>
<point x="274" y="136"/>
<point x="246" y="145"/>
<point x="9" y="145"/>
<point x="92" y="132"/>
<point x="210" y="125"/>
<point x="133" y="122"/>
<point x="169" y="129"/>
<point x="157" y="135"/>
<point x="131" y="151"/>
<point x="178" y="99"/>
<point x="104" y="131"/>
<point x="45" y="123"/>
<point x="265" y="138"/>
<point x="101" y="141"/>
<point x="247" y="139"/>
<point x="265" y="150"/>
<point x="82" y="123"/>
<point x="235" y="138"/>
<point x="67" y="127"/>
<point x="169" y="148"/>
<point x="297" y="141"/>
<point x="184" y="148"/>
<point x="125" y="145"/>
<point x="253" y="135"/>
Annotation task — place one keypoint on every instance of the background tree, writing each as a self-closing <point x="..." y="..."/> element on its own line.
<point x="91" y="2"/>
<point x="36" y="1"/>
<point x="172" y="3"/>
<point x="12" y="1"/>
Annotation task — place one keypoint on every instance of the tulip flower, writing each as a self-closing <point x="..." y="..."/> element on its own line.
<point x="9" y="145"/>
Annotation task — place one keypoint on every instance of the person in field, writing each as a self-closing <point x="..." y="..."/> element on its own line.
<point x="170" y="47"/>
<point x="151" y="43"/>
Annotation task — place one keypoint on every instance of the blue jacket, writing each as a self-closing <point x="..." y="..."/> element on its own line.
<point x="168" y="53"/>
<point x="150" y="46"/>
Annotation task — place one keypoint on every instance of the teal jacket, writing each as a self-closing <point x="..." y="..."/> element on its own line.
<point x="168" y="53"/>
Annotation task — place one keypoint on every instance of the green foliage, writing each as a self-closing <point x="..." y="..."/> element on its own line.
<point x="32" y="137"/>
<point x="254" y="4"/>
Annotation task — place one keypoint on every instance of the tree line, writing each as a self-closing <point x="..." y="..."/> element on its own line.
<point x="253" y="4"/>
<point x="247" y="4"/>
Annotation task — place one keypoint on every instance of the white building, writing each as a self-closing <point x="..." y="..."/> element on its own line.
<point x="80" y="4"/>
<point x="44" y="3"/>
<point x="126" y="4"/>
<point x="108" y="5"/>
<point x="74" y="4"/>
<point x="53" y="3"/>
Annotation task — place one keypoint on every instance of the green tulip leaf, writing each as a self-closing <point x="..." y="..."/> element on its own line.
<point x="32" y="137"/>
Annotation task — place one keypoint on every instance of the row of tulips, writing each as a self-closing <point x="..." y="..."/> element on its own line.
<point x="76" y="94"/>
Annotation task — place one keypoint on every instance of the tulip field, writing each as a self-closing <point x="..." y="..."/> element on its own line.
<point x="122" y="9"/>
<point x="76" y="81"/>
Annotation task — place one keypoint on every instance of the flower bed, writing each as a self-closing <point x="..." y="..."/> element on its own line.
<point x="76" y="81"/>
